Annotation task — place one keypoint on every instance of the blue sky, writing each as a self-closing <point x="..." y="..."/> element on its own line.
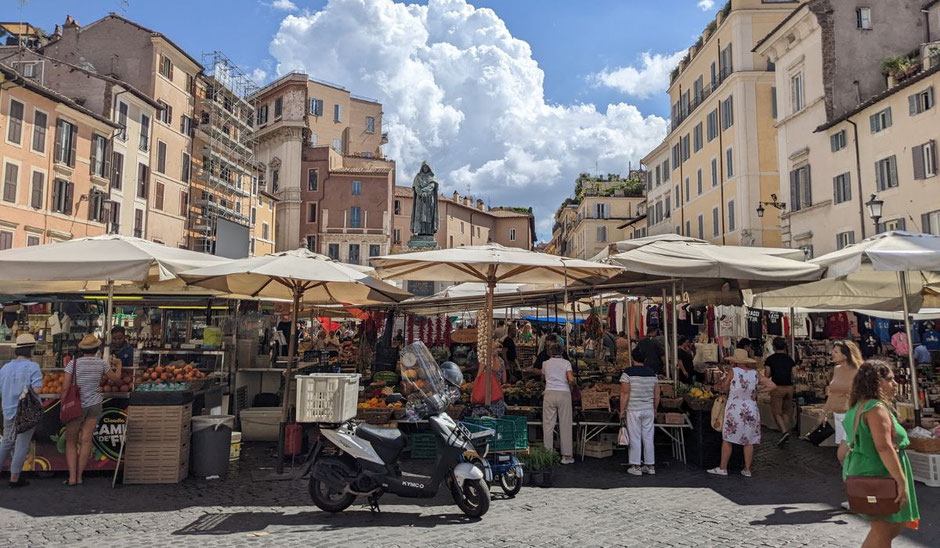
<point x="585" y="77"/>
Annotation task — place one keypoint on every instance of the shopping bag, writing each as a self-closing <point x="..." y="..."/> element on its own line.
<point x="28" y="411"/>
<point x="718" y="412"/>
<point x="623" y="437"/>
<point x="478" y="395"/>
<point x="70" y="408"/>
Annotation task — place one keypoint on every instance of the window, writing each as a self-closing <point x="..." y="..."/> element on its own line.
<point x="66" y="137"/>
<point x="313" y="180"/>
<point x="712" y="125"/>
<point x="10" y="175"/>
<point x="801" y="195"/>
<point x="397" y="207"/>
<point x="676" y="159"/>
<point x="375" y="250"/>
<point x="37" y="190"/>
<point x="688" y="228"/>
<point x="714" y="172"/>
<point x="184" y="203"/>
<point x="186" y="168"/>
<point x="158" y="190"/>
<point x="6" y="240"/>
<point x="31" y="240"/>
<point x="115" y="216"/>
<point x="165" y="113"/>
<point x="880" y="120"/>
<point x="685" y="147"/>
<point x="62" y="196"/>
<point x="841" y="188"/>
<point x="99" y="156"/>
<point x="117" y="170"/>
<point x="186" y="124"/>
<point x="925" y="160"/>
<point x="338" y="145"/>
<point x="512" y="234"/>
<point x="333" y="251"/>
<point x="96" y="200"/>
<point x="888" y="226"/>
<point x="166" y="67"/>
<point x="837" y="141"/>
<point x="730" y="215"/>
<point x="659" y="177"/>
<point x="337" y="113"/>
<point x="666" y="170"/>
<point x="355" y="217"/>
<point x="312" y="243"/>
<point x="356" y="188"/>
<point x="688" y="194"/>
<point x="278" y="107"/>
<point x="698" y="137"/>
<point x="699" y="173"/>
<point x="796" y="92"/>
<point x="254" y="216"/>
<point x="312" y="213"/>
<point x="844" y="239"/>
<point x="919" y="102"/>
<point x="314" y="139"/>
<point x="600" y="211"/>
<point x="40" y="121"/>
<point x="698" y="89"/>
<point x="275" y="179"/>
<point x="265" y="231"/>
<point x="725" y="63"/>
<point x="701" y="226"/>
<point x="715" y="230"/>
<point x="863" y="19"/>
<point x="729" y="163"/>
<point x="161" y="157"/>
<point x="462" y="231"/>
<point x="15" y="122"/>
<point x="668" y="205"/>
<point x="397" y="236"/>
<point x="659" y="212"/>
<point x="144" y="141"/>
<point x="143" y="177"/>
<point x="370" y="124"/>
<point x="122" y="121"/>
<point x="930" y="222"/>
<point x="138" y="223"/>
<point x="601" y="234"/>
<point x="727" y="113"/>
<point x="886" y="173"/>
<point x="316" y="107"/>
<point x="262" y="115"/>
<point x="773" y="102"/>
<point x="354" y="253"/>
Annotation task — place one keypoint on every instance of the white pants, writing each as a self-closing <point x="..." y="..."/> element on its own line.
<point x="837" y="418"/>
<point x="640" y="426"/>
<point x="556" y="406"/>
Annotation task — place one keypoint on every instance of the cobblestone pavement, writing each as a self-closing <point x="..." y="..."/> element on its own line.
<point x="792" y="500"/>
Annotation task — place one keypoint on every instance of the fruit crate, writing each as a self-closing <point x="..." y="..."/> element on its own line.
<point x="512" y="432"/>
<point x="423" y="445"/>
<point x="598" y="449"/>
<point x="670" y="403"/>
<point x="925" y="467"/>
<point x="156" y="462"/>
<point x="327" y="397"/>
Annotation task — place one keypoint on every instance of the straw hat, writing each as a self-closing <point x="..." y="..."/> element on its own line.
<point x="89" y="342"/>
<point x="25" y="339"/>
<point x="740" y="356"/>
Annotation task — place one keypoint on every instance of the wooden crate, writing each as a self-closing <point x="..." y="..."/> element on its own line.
<point x="668" y="390"/>
<point x="598" y="449"/>
<point x="675" y="418"/>
<point x="157" y="443"/>
<point x="156" y="463"/>
<point x="595" y="400"/>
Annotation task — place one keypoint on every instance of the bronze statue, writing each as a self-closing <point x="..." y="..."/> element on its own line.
<point x="424" y="212"/>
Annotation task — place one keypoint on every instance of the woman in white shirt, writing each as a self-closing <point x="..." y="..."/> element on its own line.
<point x="556" y="402"/>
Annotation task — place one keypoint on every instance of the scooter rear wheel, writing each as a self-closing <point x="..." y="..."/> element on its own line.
<point x="328" y="499"/>
<point x="511" y="483"/>
<point x="473" y="499"/>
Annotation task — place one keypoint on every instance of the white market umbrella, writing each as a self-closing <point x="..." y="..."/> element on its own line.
<point x="301" y="276"/>
<point x="490" y="264"/>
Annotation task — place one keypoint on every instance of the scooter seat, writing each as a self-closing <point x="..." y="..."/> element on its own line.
<point x="391" y="438"/>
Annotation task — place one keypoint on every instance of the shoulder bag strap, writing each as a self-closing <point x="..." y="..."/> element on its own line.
<point x="858" y="416"/>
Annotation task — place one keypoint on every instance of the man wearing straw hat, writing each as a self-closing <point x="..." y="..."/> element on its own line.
<point x="15" y="377"/>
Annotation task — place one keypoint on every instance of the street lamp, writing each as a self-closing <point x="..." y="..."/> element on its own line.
<point x="875" y="206"/>
<point x="773" y="203"/>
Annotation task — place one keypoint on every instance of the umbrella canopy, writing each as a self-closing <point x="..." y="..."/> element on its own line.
<point x="895" y="251"/>
<point x="319" y="279"/>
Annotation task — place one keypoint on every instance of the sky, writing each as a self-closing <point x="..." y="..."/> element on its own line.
<point x="509" y="98"/>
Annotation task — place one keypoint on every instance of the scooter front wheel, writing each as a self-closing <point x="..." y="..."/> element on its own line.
<point x="327" y="498"/>
<point x="473" y="499"/>
<point x="511" y="483"/>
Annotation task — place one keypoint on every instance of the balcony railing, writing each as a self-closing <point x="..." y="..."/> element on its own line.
<point x="696" y="101"/>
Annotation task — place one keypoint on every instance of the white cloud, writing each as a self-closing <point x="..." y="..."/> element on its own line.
<point x="460" y="91"/>
<point x="259" y="76"/>
<point x="652" y="78"/>
<point x="285" y="5"/>
<point x="706" y="5"/>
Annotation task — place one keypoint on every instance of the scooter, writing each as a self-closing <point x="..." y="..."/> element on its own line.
<point x="352" y="459"/>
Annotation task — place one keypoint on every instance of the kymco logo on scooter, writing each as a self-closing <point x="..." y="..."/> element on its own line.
<point x="413" y="484"/>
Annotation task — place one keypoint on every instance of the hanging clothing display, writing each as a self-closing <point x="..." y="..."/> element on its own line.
<point x="774" y="324"/>
<point x="755" y="328"/>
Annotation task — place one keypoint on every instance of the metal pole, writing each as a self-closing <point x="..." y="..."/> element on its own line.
<point x="285" y="409"/>
<point x="902" y="281"/>
<point x="666" y="345"/>
<point x="108" y="319"/>
<point x="488" y="337"/>
<point x="675" y="335"/>
<point x="792" y="335"/>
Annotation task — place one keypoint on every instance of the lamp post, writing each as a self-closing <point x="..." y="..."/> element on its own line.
<point x="875" y="207"/>
<point x="773" y="203"/>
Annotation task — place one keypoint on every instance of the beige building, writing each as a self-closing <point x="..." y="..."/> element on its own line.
<point x="719" y="159"/>
<point x="295" y="113"/>
<point x="843" y="133"/>
<point x="152" y="63"/>
<point x="262" y="212"/>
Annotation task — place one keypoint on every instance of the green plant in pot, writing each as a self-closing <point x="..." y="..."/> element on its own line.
<point x="539" y="463"/>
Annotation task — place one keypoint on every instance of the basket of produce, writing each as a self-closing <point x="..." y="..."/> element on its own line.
<point x="375" y="415"/>
<point x="670" y="403"/>
<point x="699" y="398"/>
<point x="925" y="445"/>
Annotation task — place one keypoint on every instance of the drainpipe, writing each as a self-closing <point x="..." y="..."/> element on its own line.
<point x="858" y="178"/>
<point x="680" y="199"/>
<point x="721" y="157"/>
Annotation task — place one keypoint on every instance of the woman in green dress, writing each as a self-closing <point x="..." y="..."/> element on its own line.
<point x="877" y="449"/>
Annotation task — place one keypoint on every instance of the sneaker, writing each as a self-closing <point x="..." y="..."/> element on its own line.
<point x="651" y="470"/>
<point x="635" y="471"/>
<point x="746" y="473"/>
<point x="18" y="483"/>
<point x="783" y="439"/>
<point x="718" y="471"/>
<point x="845" y="504"/>
<point x="567" y="460"/>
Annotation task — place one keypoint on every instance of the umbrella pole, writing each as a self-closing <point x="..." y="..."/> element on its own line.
<point x="486" y="352"/>
<point x="792" y="335"/>
<point x="108" y="319"/>
<point x="628" y="327"/>
<point x="666" y="345"/>
<point x="675" y="335"/>
<point x="902" y="281"/>
<point x="285" y="409"/>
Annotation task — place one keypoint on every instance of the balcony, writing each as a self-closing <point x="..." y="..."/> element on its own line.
<point x="685" y="112"/>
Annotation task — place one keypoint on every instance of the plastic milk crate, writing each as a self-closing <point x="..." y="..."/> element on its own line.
<point x="925" y="467"/>
<point x="327" y="397"/>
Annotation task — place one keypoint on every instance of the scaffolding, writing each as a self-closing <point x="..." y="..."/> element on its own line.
<point x="223" y="185"/>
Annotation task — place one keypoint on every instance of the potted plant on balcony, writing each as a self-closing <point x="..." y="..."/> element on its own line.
<point x="539" y="463"/>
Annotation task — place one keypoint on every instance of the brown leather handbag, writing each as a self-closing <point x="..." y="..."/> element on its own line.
<point x="870" y="495"/>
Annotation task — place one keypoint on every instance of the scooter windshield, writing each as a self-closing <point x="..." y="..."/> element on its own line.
<point x="422" y="378"/>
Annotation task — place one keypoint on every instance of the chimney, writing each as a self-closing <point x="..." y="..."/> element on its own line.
<point x="480" y="204"/>
<point x="70" y="22"/>
<point x="456" y="196"/>
<point x="467" y="200"/>
<point x="57" y="33"/>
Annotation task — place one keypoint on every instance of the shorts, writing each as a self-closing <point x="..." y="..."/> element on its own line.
<point x="92" y="412"/>
<point x="781" y="400"/>
<point x="840" y="429"/>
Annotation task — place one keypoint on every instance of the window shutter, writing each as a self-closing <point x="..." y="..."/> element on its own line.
<point x="94" y="156"/>
<point x="107" y="158"/>
<point x="58" y="139"/>
<point x="912" y="104"/>
<point x="893" y="168"/>
<point x="888" y="117"/>
<point x="925" y="223"/>
<point x="73" y="129"/>
<point x="836" y="195"/>
<point x="933" y="157"/>
<point x="873" y="120"/>
<point x="92" y="198"/>
<point x="879" y="178"/>
<point x="929" y="97"/>
<point x="171" y="71"/>
<point x="794" y="190"/>
<point x="69" y="195"/>
<point x="808" y="191"/>
<point x="918" y="154"/>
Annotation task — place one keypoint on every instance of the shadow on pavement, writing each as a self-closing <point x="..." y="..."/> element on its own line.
<point x="781" y="516"/>
<point x="248" y="522"/>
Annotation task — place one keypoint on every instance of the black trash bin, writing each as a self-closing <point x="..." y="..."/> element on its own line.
<point x="211" y="443"/>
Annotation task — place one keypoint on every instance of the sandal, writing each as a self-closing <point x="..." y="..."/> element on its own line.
<point x="67" y="484"/>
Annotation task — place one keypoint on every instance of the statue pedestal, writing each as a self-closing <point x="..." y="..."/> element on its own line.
<point x="422" y="242"/>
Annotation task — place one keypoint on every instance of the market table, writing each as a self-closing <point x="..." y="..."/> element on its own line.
<point x="587" y="431"/>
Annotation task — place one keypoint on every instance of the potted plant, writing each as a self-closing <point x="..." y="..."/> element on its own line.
<point x="539" y="463"/>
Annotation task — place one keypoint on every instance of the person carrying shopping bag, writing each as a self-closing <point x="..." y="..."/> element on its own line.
<point x="17" y="376"/>
<point x="639" y="398"/>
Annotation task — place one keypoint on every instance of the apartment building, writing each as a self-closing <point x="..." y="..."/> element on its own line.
<point x="719" y="160"/>
<point x="51" y="156"/>
<point x="263" y="206"/>
<point x="296" y="113"/>
<point x="562" y="233"/>
<point x="151" y="62"/>
<point x="845" y="129"/>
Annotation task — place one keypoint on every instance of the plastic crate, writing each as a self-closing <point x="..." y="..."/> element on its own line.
<point x="327" y="397"/>
<point x="423" y="445"/>
<point x="925" y="467"/>
<point x="512" y="433"/>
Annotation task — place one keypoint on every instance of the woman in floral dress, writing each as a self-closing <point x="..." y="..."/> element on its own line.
<point x="742" y="416"/>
